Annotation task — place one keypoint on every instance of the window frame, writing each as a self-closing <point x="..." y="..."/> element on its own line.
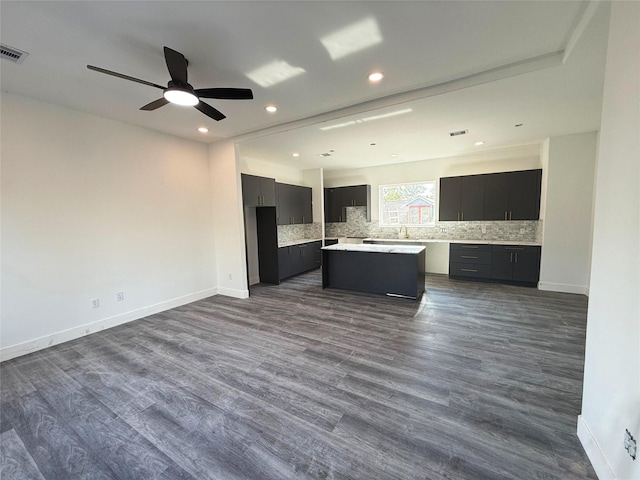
<point x="407" y="215"/>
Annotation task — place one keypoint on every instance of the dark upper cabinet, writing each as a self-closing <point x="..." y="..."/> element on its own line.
<point x="449" y="199"/>
<point x="517" y="263"/>
<point x="461" y="198"/>
<point x="337" y="199"/>
<point x="333" y="205"/>
<point x="258" y="191"/>
<point x="513" y="195"/>
<point x="294" y="204"/>
<point x="495" y="196"/>
<point x="524" y="195"/>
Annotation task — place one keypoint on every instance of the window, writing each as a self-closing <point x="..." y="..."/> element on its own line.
<point x="411" y="204"/>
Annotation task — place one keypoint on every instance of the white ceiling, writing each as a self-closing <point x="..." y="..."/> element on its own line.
<point x="449" y="65"/>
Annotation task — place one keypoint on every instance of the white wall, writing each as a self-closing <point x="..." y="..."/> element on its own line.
<point x="566" y="252"/>
<point x="611" y="394"/>
<point x="91" y="207"/>
<point x="226" y="198"/>
<point x="522" y="158"/>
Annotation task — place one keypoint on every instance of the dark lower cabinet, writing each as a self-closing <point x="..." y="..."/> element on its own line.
<point x="470" y="260"/>
<point x="518" y="264"/>
<point x="300" y="258"/>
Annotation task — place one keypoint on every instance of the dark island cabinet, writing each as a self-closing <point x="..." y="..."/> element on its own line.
<point x="258" y="191"/>
<point x="513" y="195"/>
<point x="517" y="263"/>
<point x="338" y="198"/>
<point x="461" y="198"/>
<point x="294" y="204"/>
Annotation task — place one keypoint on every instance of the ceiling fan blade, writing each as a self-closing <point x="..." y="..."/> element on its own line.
<point x="177" y="65"/>
<point x="225" y="93"/>
<point x="126" y="77"/>
<point x="209" y="111"/>
<point x="161" y="102"/>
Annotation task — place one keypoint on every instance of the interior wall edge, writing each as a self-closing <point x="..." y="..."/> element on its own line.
<point x="63" y="336"/>
<point x="594" y="452"/>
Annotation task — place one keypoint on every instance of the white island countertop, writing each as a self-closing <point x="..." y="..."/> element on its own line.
<point x="368" y="247"/>
<point x="400" y="241"/>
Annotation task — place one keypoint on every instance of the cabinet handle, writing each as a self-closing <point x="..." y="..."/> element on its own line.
<point x="468" y="270"/>
<point x="514" y="248"/>
<point x="302" y="219"/>
<point x="511" y="258"/>
<point x="469" y="246"/>
<point x="505" y="215"/>
<point x="510" y="212"/>
<point x="516" y="258"/>
<point x="468" y="256"/>
<point x="462" y="215"/>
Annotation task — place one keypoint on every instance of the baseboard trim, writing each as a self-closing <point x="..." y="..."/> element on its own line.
<point x="57" y="338"/>
<point x="563" y="288"/>
<point x="233" y="292"/>
<point x="594" y="452"/>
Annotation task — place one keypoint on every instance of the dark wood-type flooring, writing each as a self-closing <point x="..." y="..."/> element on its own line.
<point x="476" y="381"/>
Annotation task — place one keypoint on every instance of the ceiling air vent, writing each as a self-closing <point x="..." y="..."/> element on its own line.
<point x="12" y="54"/>
<point x="459" y="132"/>
<point x="325" y="154"/>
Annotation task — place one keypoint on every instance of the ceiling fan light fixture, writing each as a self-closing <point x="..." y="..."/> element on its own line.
<point x="180" y="97"/>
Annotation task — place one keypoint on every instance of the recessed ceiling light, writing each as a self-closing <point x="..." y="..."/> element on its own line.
<point x="479" y="143"/>
<point x="375" y="76"/>
<point x="271" y="108"/>
<point x="295" y="154"/>
<point x="203" y="129"/>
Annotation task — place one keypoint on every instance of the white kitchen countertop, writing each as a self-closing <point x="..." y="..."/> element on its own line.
<point x="368" y="247"/>
<point x="400" y="241"/>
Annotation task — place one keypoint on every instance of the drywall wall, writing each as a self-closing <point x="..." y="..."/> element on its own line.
<point x="611" y="393"/>
<point x="228" y="224"/>
<point x="92" y="207"/>
<point x="566" y="256"/>
<point x="522" y="158"/>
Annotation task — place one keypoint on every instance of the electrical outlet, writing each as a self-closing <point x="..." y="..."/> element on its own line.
<point x="95" y="303"/>
<point x="230" y="277"/>
<point x="630" y="444"/>
<point x="120" y="296"/>
<point x="484" y="229"/>
<point x="443" y="230"/>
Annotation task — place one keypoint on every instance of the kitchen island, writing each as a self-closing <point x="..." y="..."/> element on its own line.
<point x="396" y="270"/>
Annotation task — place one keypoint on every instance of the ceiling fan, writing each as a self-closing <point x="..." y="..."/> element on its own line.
<point x="180" y="92"/>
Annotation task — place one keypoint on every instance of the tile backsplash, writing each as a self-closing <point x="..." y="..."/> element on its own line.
<point x="516" y="230"/>
<point x="289" y="233"/>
